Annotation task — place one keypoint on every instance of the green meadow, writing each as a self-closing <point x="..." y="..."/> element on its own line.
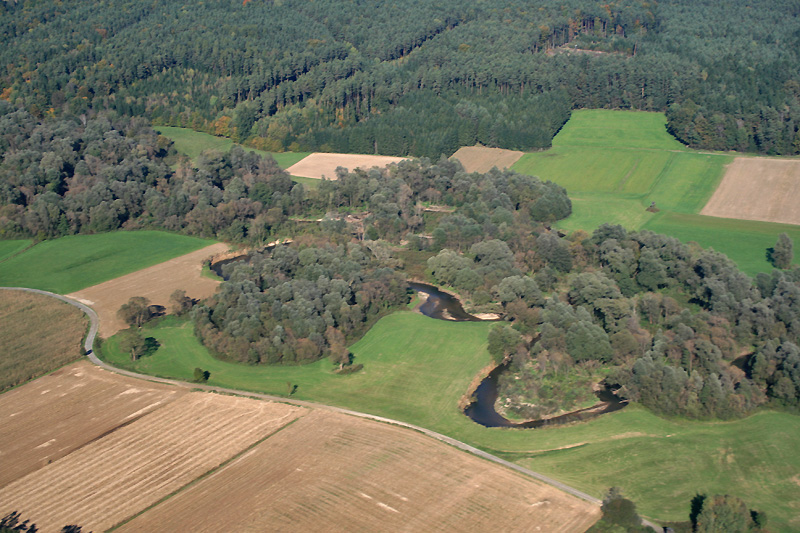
<point x="614" y="164"/>
<point x="72" y="263"/>
<point x="420" y="377"/>
<point x="192" y="143"/>
<point x="11" y="248"/>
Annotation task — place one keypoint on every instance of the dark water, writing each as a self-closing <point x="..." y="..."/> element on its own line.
<point x="440" y="304"/>
<point x="218" y="268"/>
<point x="482" y="409"/>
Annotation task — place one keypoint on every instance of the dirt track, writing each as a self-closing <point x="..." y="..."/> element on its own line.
<point x="156" y="283"/>
<point x="755" y="188"/>
<point x="319" y="164"/>
<point x="482" y="159"/>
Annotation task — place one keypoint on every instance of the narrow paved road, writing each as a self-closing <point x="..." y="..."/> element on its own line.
<point x="95" y="324"/>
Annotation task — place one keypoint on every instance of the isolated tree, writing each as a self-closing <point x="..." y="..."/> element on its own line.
<point x="200" y="375"/>
<point x="179" y="302"/>
<point x="133" y="342"/>
<point x="724" y="514"/>
<point x="136" y="312"/>
<point x="782" y="253"/>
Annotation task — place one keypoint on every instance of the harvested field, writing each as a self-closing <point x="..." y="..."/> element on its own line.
<point x="155" y="283"/>
<point x="37" y="335"/>
<point x="482" y="159"/>
<point x="755" y="188"/>
<point x="126" y="471"/>
<point x="319" y="165"/>
<point x="57" y="414"/>
<point x="333" y="472"/>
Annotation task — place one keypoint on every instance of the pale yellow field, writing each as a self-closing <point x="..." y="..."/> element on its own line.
<point x="756" y="188"/>
<point x="331" y="472"/>
<point x="482" y="159"/>
<point x="155" y="283"/>
<point x="319" y="165"/>
<point x="132" y="468"/>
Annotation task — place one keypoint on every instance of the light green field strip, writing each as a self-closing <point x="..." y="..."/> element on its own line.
<point x="617" y="129"/>
<point x="72" y="263"/>
<point x="192" y="143"/>
<point x="9" y="248"/>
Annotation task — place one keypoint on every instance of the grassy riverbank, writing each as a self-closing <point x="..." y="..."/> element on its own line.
<point x="416" y="369"/>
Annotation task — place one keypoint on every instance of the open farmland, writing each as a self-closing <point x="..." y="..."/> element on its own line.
<point x="11" y="248"/>
<point x="155" y="283"/>
<point x="57" y="414"/>
<point x="72" y="263"/>
<point x="319" y="165"/>
<point x="37" y="335"/>
<point x="132" y="468"/>
<point x="192" y="143"/>
<point x="757" y="188"/>
<point x="339" y="473"/>
<point x="482" y="158"/>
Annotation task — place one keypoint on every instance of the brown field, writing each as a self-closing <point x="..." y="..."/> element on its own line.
<point x="331" y="472"/>
<point x="318" y="165"/>
<point x="758" y="189"/>
<point x="126" y="471"/>
<point x="37" y="335"/>
<point x="156" y="283"/>
<point x="482" y="159"/>
<point x="57" y="414"/>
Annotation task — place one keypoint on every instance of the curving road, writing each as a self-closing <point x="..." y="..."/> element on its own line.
<point x="95" y="324"/>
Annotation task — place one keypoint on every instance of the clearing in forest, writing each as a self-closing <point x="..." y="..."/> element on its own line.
<point x="75" y="262"/>
<point x="130" y="469"/>
<point x="483" y="159"/>
<point x="49" y="418"/>
<point x="352" y="474"/>
<point x="756" y="188"/>
<point x="319" y="165"/>
<point x="37" y="334"/>
<point x="155" y="283"/>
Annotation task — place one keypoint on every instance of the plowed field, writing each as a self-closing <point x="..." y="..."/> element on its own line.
<point x="330" y="472"/>
<point x="135" y="466"/>
<point x="55" y="415"/>
<point x="318" y="164"/>
<point x="482" y="159"/>
<point x="758" y="189"/>
<point x="156" y="283"/>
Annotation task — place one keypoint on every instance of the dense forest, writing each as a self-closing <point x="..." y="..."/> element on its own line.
<point x="70" y="175"/>
<point x="415" y="78"/>
<point x="680" y="329"/>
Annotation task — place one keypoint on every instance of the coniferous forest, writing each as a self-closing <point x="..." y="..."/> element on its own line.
<point x="411" y="78"/>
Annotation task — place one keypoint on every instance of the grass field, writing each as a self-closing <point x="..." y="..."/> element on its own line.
<point x="615" y="163"/>
<point x="37" y="335"/>
<point x="72" y="263"/>
<point x="420" y="378"/>
<point x="193" y="143"/>
<point x="9" y="248"/>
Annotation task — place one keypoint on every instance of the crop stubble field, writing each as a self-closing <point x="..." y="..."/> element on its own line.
<point x="339" y="473"/>
<point x="37" y="335"/>
<point x="758" y="189"/>
<point x="319" y="165"/>
<point x="482" y="158"/>
<point x="155" y="283"/>
<point x="93" y="448"/>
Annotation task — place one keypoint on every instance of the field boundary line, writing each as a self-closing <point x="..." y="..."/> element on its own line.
<point x="19" y="252"/>
<point x="95" y="324"/>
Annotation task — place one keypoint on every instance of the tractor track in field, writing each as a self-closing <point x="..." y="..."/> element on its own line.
<point x="95" y="325"/>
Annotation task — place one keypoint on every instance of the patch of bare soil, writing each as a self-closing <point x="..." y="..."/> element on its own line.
<point x="49" y="418"/>
<point x="123" y="473"/>
<point x="333" y="472"/>
<point x="155" y="283"/>
<point x="482" y="159"/>
<point x="758" y="189"/>
<point x="319" y="165"/>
